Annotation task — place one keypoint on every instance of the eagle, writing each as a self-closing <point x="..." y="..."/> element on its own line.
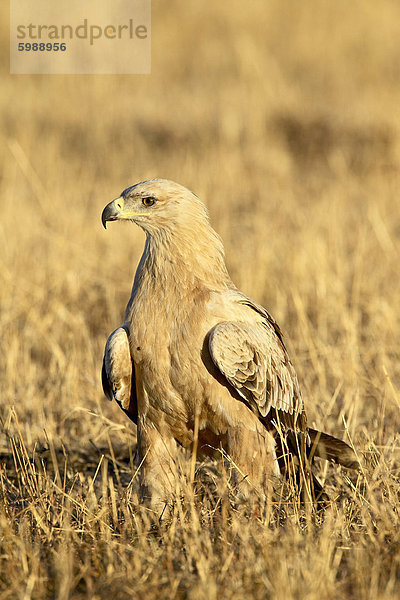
<point x="197" y="363"/>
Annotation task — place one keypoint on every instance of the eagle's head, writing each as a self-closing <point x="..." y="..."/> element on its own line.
<point x="156" y="205"/>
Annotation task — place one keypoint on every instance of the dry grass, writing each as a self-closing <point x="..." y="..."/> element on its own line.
<point x="285" y="118"/>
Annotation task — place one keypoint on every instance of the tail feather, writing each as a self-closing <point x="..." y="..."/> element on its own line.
<point x="315" y="443"/>
<point x="330" y="448"/>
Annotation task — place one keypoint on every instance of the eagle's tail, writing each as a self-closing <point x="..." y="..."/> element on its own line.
<point x="330" y="448"/>
<point x="293" y="446"/>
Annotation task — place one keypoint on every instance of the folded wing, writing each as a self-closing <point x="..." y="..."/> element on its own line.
<point x="118" y="373"/>
<point x="254" y="361"/>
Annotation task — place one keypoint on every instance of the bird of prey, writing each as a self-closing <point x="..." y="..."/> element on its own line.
<point x="197" y="363"/>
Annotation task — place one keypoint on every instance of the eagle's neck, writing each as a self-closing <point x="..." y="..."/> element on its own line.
<point x="183" y="259"/>
<point x="175" y="277"/>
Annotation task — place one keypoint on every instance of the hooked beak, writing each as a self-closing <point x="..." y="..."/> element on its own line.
<point x="112" y="211"/>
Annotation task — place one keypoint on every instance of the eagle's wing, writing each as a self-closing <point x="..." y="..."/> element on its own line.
<point x="118" y="373"/>
<point x="254" y="361"/>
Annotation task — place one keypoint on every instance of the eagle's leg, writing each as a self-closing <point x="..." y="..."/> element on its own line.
<point x="254" y="467"/>
<point x="156" y="454"/>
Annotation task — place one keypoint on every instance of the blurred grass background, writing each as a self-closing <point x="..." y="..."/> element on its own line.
<point x="284" y="118"/>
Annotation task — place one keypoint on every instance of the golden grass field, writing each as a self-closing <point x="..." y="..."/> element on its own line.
<point x="284" y="118"/>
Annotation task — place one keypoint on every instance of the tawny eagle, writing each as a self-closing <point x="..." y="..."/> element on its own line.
<point x="196" y="360"/>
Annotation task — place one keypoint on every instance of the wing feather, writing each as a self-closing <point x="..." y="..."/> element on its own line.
<point x="118" y="372"/>
<point x="254" y="361"/>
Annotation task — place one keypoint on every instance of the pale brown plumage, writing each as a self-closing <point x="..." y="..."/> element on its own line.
<point x="195" y="353"/>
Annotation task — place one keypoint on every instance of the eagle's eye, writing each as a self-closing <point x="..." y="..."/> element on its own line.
<point x="149" y="201"/>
